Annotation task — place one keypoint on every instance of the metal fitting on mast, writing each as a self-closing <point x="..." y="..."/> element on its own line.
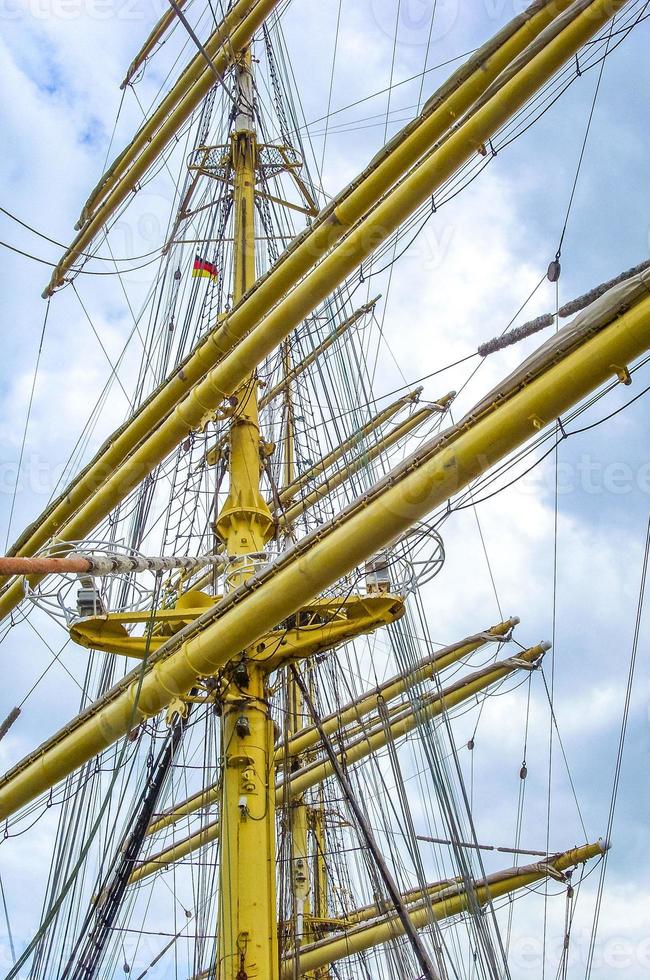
<point x="245" y="523"/>
<point x="247" y="898"/>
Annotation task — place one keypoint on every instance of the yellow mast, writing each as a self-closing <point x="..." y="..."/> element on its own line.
<point x="300" y="877"/>
<point x="90" y="497"/>
<point x="247" y="944"/>
<point x="495" y="427"/>
<point x="442" y="903"/>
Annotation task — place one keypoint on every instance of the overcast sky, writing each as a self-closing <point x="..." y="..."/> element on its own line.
<point x="61" y="62"/>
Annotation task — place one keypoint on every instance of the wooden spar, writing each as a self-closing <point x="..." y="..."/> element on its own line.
<point x="100" y="564"/>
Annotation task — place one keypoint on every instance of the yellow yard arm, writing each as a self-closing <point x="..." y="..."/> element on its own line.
<point x="437" y="905"/>
<point x="176" y="852"/>
<point x="564" y="371"/>
<point x="349" y="714"/>
<point x="372" y="739"/>
<point x="442" y="110"/>
<point x="393" y="688"/>
<point x="227" y="41"/>
<point x="214" y="453"/>
<point x="368" y="927"/>
<point x="154" y="38"/>
<point x="415" y="189"/>
<point x="313" y="355"/>
<point x="196" y="81"/>
<point x="294" y="488"/>
<point x="226" y="378"/>
<point x="374" y="734"/>
<point x="331" y="483"/>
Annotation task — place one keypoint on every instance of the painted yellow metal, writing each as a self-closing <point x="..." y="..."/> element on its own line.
<point x="375" y="734"/>
<point x="427" y="480"/>
<point x="440" y="904"/>
<point x="320" y="626"/>
<point x="300" y="368"/>
<point x="324" y="624"/>
<point x="309" y="737"/>
<point x="368" y="927"/>
<point x="373" y="738"/>
<point x="415" y="189"/>
<point x="411" y="897"/>
<point x="130" y="167"/>
<point x="156" y="35"/>
<point x="340" y="476"/>
<point x="317" y="816"/>
<point x="213" y="455"/>
<point x="300" y="873"/>
<point x="108" y="632"/>
<point x="443" y="110"/>
<point x="193" y="71"/>
<point x="394" y="688"/>
<point x="455" y="97"/>
<point x="247" y="943"/>
<point x="226" y="378"/>
<point x="201" y="800"/>
<point x="293" y="488"/>
<point x="208" y="833"/>
<point x="299" y="828"/>
<point x="344" y="620"/>
<point x="244" y="523"/>
<point x="289" y="417"/>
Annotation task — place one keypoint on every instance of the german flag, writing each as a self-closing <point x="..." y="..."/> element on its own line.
<point x="204" y="268"/>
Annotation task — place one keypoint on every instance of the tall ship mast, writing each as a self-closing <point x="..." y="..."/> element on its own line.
<point x="271" y="771"/>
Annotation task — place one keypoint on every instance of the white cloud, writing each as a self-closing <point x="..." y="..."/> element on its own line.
<point x="471" y="269"/>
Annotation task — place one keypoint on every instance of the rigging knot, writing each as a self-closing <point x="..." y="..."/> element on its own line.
<point x="548" y="869"/>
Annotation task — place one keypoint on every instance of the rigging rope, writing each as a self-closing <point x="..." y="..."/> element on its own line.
<point x="70" y="881"/>
<point x="382" y="867"/>
<point x="620" y="751"/>
<point x="26" y="427"/>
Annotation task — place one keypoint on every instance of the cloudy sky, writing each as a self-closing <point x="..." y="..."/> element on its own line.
<point x="61" y="62"/>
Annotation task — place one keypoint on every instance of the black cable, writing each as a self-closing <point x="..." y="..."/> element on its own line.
<point x="89" y="255"/>
<point x="354" y="804"/>
<point x="584" y="145"/>
<point x="80" y="272"/>
<point x="91" y="944"/>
